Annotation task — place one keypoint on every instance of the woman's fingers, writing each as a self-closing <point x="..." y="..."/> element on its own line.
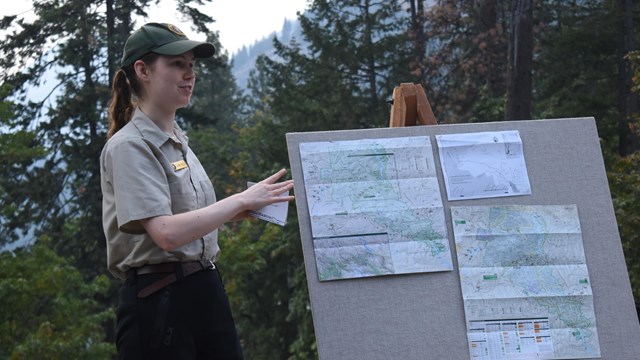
<point x="277" y="190"/>
<point x="269" y="191"/>
<point x="273" y="178"/>
<point x="282" y="186"/>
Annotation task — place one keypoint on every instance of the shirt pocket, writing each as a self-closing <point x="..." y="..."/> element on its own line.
<point x="208" y="192"/>
<point x="183" y="195"/>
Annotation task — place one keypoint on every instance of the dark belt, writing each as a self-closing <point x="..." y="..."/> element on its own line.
<point x="178" y="270"/>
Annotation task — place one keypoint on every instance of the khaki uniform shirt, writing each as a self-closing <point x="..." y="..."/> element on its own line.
<point x="146" y="173"/>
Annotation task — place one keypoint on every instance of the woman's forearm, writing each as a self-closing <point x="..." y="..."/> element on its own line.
<point x="173" y="231"/>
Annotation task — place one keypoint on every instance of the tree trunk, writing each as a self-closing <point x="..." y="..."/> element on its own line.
<point x="371" y="63"/>
<point x="89" y="86"/>
<point x="520" y="61"/>
<point x="491" y="58"/>
<point x="111" y="52"/>
<point x="418" y="37"/>
<point x="627" y="99"/>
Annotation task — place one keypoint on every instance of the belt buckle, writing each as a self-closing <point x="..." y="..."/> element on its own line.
<point x="209" y="264"/>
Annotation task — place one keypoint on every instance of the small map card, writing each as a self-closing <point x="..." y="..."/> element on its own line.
<point x="274" y="213"/>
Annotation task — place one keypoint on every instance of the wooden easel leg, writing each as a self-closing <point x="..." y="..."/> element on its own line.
<point x="410" y="107"/>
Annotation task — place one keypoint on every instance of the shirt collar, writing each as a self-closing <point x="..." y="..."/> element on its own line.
<point x="153" y="133"/>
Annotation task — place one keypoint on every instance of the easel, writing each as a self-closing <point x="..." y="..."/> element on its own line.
<point x="410" y="107"/>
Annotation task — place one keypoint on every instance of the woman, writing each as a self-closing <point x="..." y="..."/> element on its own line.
<point x="160" y="214"/>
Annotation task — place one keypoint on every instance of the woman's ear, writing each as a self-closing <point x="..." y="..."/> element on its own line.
<point x="141" y="69"/>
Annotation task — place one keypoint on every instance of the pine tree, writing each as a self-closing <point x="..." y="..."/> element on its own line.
<point x="357" y="52"/>
<point x="60" y="195"/>
<point x="466" y="60"/>
<point x="575" y="72"/>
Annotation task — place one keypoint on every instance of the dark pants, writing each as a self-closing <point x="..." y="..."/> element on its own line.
<point x="189" y="319"/>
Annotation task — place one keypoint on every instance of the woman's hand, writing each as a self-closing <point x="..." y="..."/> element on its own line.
<point x="266" y="192"/>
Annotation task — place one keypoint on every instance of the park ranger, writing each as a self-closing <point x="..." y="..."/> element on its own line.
<point x="160" y="214"/>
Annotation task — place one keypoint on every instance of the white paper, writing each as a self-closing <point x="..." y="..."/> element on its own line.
<point x="483" y="165"/>
<point x="275" y="213"/>
<point x="525" y="285"/>
<point x="375" y="207"/>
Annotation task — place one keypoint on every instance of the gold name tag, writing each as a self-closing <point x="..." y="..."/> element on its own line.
<point x="179" y="165"/>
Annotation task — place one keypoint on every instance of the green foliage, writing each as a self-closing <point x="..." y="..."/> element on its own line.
<point x="48" y="310"/>
<point x="466" y="62"/>
<point x="256" y="264"/>
<point x="217" y="100"/>
<point x="6" y="107"/>
<point x="634" y="59"/>
<point x="63" y="185"/>
<point x="356" y="55"/>
<point x="281" y="271"/>
<point x="487" y="107"/>
<point x="219" y="154"/>
<point x="576" y="70"/>
<point x="624" y="181"/>
<point x="18" y="152"/>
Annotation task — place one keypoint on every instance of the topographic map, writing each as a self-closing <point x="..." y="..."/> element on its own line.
<point x="525" y="284"/>
<point x="375" y="207"/>
<point x="484" y="164"/>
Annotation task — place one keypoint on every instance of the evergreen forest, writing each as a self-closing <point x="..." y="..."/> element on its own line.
<point x="478" y="61"/>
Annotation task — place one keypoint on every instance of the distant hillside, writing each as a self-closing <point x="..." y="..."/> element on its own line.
<point x="244" y="61"/>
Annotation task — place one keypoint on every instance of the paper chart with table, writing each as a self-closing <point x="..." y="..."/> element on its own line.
<point x="525" y="285"/>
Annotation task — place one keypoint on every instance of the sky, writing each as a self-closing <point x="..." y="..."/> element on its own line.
<point x="239" y="22"/>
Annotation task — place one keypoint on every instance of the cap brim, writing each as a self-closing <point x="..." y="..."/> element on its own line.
<point x="200" y="49"/>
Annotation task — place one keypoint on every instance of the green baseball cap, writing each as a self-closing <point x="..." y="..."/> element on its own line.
<point x="163" y="39"/>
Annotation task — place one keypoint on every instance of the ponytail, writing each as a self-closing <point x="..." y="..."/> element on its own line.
<point x="124" y="90"/>
<point x="121" y="108"/>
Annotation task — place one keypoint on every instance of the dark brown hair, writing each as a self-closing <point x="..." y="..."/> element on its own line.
<point x="125" y="87"/>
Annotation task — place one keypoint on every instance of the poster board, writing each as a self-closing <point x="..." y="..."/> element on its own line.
<point x="421" y="316"/>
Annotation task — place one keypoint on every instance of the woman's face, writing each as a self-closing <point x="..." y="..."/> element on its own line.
<point x="170" y="81"/>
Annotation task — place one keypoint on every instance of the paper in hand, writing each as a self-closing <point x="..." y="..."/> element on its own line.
<point x="274" y="213"/>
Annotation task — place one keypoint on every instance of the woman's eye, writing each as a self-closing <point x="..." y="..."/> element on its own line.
<point x="182" y="64"/>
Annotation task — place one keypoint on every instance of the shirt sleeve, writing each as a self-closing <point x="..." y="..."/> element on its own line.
<point x="140" y="185"/>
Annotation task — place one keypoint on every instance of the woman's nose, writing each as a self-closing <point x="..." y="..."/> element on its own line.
<point x="191" y="73"/>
